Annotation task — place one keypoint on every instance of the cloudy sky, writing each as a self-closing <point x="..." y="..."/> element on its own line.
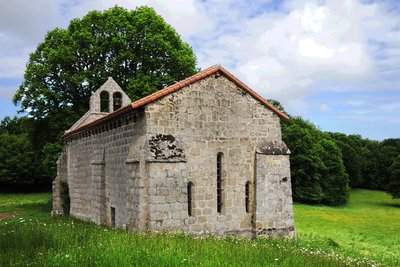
<point x="336" y="63"/>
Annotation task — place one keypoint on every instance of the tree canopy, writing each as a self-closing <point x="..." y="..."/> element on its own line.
<point x="137" y="48"/>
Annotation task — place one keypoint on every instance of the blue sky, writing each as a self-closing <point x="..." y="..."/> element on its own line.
<point x="335" y="62"/>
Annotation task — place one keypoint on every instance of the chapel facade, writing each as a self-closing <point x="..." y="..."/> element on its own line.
<point x="203" y="156"/>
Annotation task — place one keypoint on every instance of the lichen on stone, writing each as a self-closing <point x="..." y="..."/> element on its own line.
<point x="164" y="147"/>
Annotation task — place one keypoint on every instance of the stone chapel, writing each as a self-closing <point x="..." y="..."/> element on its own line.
<point x="203" y="156"/>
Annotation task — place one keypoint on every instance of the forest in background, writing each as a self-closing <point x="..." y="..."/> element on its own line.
<point x="324" y="165"/>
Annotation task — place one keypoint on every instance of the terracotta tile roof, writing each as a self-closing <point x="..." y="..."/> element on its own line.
<point x="175" y="87"/>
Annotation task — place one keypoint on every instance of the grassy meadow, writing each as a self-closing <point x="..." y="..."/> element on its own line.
<point x="362" y="233"/>
<point x="368" y="225"/>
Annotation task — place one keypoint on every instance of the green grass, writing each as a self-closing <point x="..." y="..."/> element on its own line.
<point x="327" y="237"/>
<point x="369" y="225"/>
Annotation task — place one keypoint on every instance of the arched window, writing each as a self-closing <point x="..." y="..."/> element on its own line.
<point x="190" y="198"/>
<point x="117" y="100"/>
<point x="104" y="101"/>
<point x="247" y="196"/>
<point x="219" y="183"/>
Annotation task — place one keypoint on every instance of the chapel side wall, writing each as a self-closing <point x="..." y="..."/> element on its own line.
<point x="98" y="170"/>
<point x="212" y="116"/>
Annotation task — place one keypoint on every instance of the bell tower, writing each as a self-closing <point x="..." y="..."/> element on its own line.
<point x="107" y="99"/>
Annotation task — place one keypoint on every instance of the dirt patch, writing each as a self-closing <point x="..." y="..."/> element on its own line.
<point x="8" y="215"/>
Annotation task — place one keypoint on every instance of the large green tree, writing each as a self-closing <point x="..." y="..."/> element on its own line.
<point x="137" y="48"/>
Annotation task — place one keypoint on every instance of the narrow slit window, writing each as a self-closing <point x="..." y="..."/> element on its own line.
<point x="112" y="217"/>
<point x="190" y="198"/>
<point x="117" y="100"/>
<point x="219" y="183"/>
<point x="247" y="196"/>
<point x="104" y="101"/>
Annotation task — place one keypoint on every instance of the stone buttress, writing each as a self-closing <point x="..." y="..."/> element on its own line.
<point x="273" y="194"/>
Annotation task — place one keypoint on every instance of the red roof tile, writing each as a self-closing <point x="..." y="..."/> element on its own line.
<point x="175" y="87"/>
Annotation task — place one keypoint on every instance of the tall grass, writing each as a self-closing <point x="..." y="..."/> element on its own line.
<point x="65" y="242"/>
<point x="33" y="238"/>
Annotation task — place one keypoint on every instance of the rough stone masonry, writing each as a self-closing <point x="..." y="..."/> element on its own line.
<point x="203" y="156"/>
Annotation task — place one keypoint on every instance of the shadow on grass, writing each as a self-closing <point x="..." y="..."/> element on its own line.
<point x="392" y="205"/>
<point x="35" y="209"/>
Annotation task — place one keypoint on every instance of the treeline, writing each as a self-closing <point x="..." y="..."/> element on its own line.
<point x="326" y="165"/>
<point x="27" y="158"/>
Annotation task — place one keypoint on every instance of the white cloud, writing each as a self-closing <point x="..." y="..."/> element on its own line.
<point x="13" y="56"/>
<point x="186" y="16"/>
<point x="355" y="103"/>
<point x="12" y="66"/>
<point x="28" y="20"/>
<point x="22" y="25"/>
<point x="7" y="93"/>
<point x="307" y="42"/>
<point x="324" y="107"/>
<point x="370" y="110"/>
